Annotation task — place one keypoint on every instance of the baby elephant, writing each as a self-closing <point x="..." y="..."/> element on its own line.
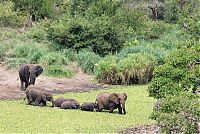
<point x="88" y="106"/>
<point x="70" y="105"/>
<point x="59" y="101"/>
<point x="35" y="94"/>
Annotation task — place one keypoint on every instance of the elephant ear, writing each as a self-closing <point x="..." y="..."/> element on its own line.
<point x="114" y="98"/>
<point x="125" y="96"/>
<point x="44" y="97"/>
<point x="38" y="70"/>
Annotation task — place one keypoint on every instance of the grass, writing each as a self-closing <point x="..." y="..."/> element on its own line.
<point x="17" y="117"/>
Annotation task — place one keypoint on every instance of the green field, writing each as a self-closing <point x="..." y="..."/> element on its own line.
<point x="16" y="116"/>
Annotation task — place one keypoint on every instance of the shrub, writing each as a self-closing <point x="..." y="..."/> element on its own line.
<point x="136" y="68"/>
<point x="174" y="82"/>
<point x="70" y="54"/>
<point x="106" y="70"/>
<point x="87" y="61"/>
<point x="178" y="114"/>
<point x="15" y="62"/>
<point x="58" y="71"/>
<point x="174" y="73"/>
<point x="37" y="33"/>
<point x="54" y="58"/>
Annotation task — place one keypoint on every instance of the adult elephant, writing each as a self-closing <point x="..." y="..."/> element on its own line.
<point x="28" y="74"/>
<point x="38" y="95"/>
<point x="111" y="101"/>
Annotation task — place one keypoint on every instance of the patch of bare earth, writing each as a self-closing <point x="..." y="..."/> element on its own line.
<point x="10" y="84"/>
<point x="145" y="129"/>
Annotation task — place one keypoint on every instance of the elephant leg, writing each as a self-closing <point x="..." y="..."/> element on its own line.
<point x="29" y="101"/>
<point x="38" y="101"/>
<point x="22" y="85"/>
<point x="120" y="110"/>
<point x="43" y="103"/>
<point x="111" y="110"/>
<point x="26" y="84"/>
<point x="100" y="108"/>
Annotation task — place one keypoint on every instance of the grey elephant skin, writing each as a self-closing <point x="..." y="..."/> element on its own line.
<point x="88" y="106"/>
<point x="35" y="94"/>
<point x="111" y="101"/>
<point x="70" y="105"/>
<point x="59" y="101"/>
<point x="28" y="74"/>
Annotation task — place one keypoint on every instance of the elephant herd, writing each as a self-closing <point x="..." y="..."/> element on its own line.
<point x="36" y="95"/>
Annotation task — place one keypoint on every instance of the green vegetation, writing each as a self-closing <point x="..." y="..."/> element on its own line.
<point x="87" y="61"/>
<point x="58" y="71"/>
<point x="129" y="42"/>
<point x="26" y="119"/>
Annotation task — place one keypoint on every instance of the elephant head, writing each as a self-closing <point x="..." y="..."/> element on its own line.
<point x="35" y="71"/>
<point x="48" y="97"/>
<point x="119" y="99"/>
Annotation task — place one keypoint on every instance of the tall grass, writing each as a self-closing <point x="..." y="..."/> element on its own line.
<point x="54" y="58"/>
<point x="14" y="63"/>
<point x="133" y="69"/>
<point x="58" y="71"/>
<point x="87" y="61"/>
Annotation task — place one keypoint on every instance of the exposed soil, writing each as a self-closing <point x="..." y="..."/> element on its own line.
<point x="146" y="129"/>
<point x="10" y="84"/>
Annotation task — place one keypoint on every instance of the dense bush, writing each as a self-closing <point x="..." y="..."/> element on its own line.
<point x="174" y="82"/>
<point x="87" y="61"/>
<point x="104" y="27"/>
<point x="175" y="73"/>
<point x="58" y="71"/>
<point x="54" y="58"/>
<point x="135" y="68"/>
<point x="15" y="62"/>
<point x="178" y="114"/>
<point x="9" y="17"/>
<point x="154" y="29"/>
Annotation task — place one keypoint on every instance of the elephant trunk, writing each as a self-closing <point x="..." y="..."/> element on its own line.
<point x="122" y="105"/>
<point x="32" y="79"/>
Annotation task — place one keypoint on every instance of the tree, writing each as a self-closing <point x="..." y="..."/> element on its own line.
<point x="35" y="9"/>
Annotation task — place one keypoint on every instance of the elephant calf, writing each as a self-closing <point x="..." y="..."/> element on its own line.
<point x="59" y="101"/>
<point x="35" y="94"/>
<point x="111" y="101"/>
<point x="28" y="74"/>
<point x="88" y="106"/>
<point x="70" y="105"/>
